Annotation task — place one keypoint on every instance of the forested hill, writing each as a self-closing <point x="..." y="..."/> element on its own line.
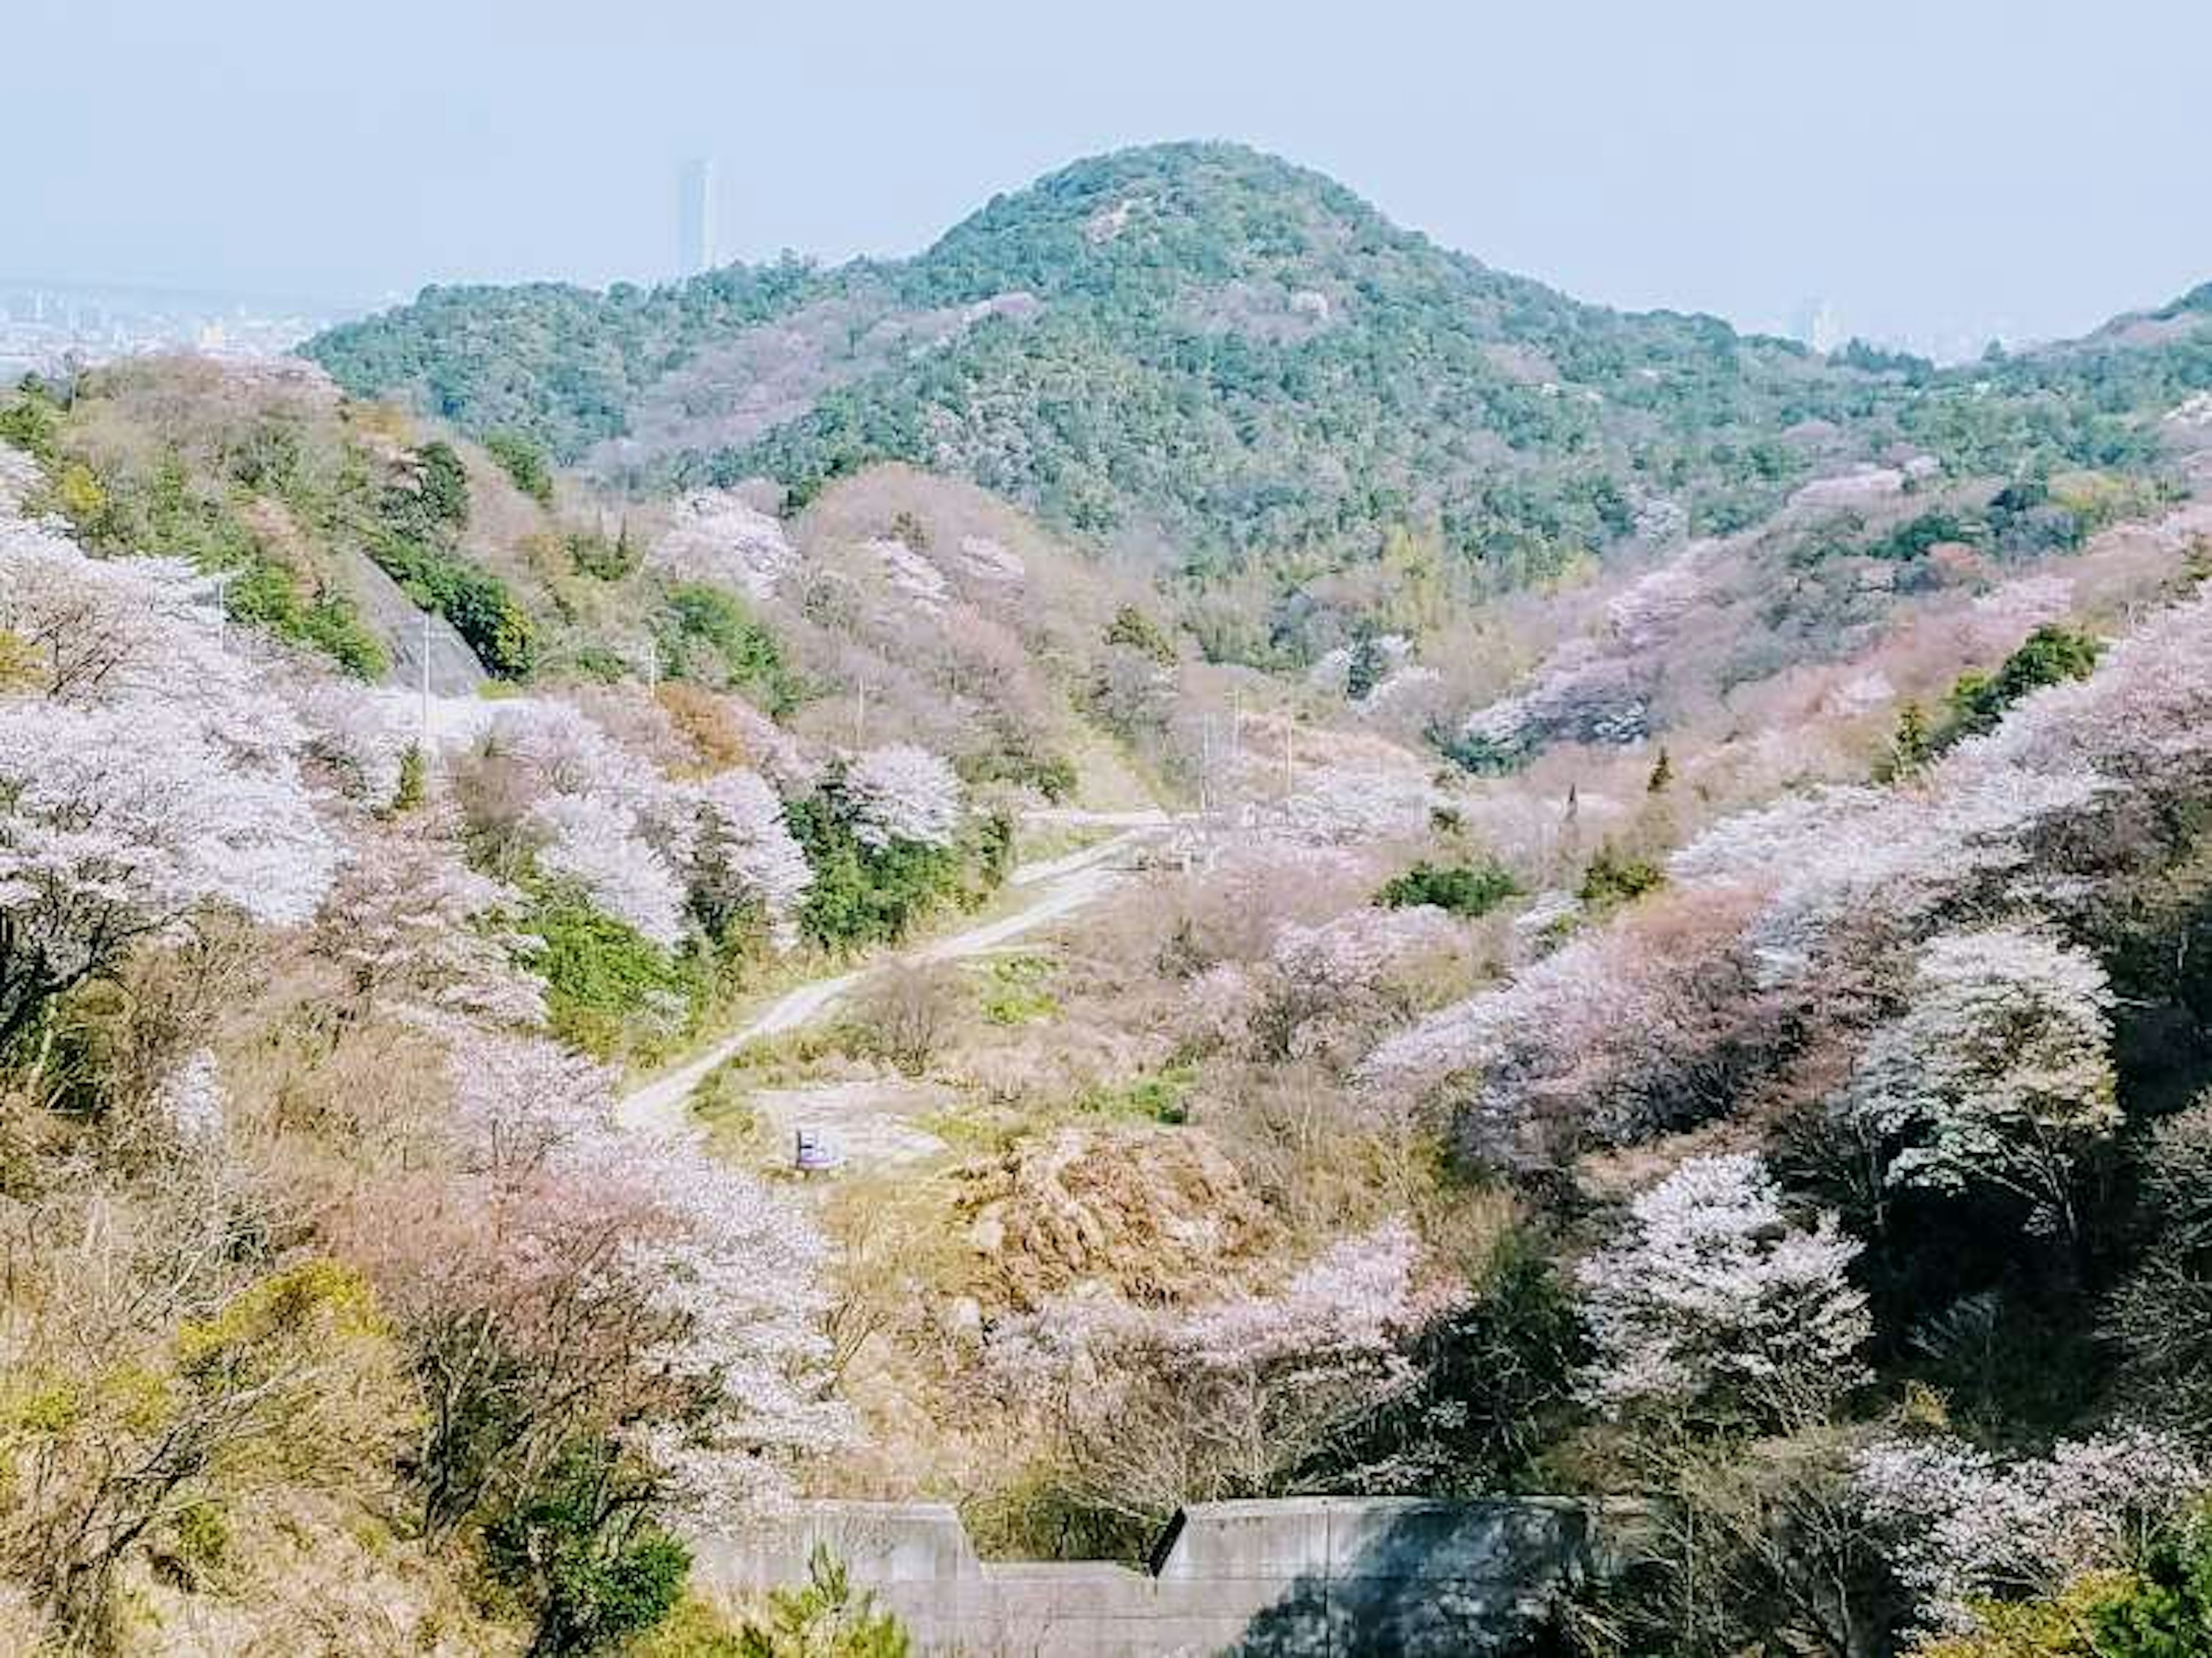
<point x="1200" y="348"/>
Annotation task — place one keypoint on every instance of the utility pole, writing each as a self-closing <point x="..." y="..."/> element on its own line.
<point x="1235" y="735"/>
<point x="426" y="687"/>
<point x="223" y="580"/>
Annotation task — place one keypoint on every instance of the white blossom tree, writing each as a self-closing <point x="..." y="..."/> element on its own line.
<point x="568" y="1278"/>
<point x="191" y="1100"/>
<point x="417" y="930"/>
<point x="1157" y="1407"/>
<point x="1959" y="1525"/>
<point x="1998" y="1071"/>
<point x="594" y="843"/>
<point x="744" y="855"/>
<point x="1714" y="1302"/>
<point x="145" y="776"/>
<point x="902" y="792"/>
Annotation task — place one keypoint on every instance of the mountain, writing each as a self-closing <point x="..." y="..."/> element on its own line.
<point x="1200" y="351"/>
<point x="1190" y="343"/>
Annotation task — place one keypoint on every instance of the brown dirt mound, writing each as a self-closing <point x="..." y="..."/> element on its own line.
<point x="1149" y="1212"/>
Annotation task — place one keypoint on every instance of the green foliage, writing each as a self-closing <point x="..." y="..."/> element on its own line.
<point x="2052" y="654"/>
<point x="1483" y="756"/>
<point x="707" y="634"/>
<point x="1133" y="629"/>
<point x="1612" y="878"/>
<point x="414" y="780"/>
<point x="1469" y="889"/>
<point x="609" y="988"/>
<point x="444" y="493"/>
<point x="2164" y="1608"/>
<point x="1913" y="538"/>
<point x="1014" y="990"/>
<point x="825" y="1619"/>
<point x="524" y="463"/>
<point x="1365" y="669"/>
<point x="203" y="519"/>
<point x="864" y="895"/>
<point x="1910" y="745"/>
<point x="478" y="604"/>
<point x="594" y="556"/>
<point x="1161" y="1095"/>
<point x="595" y="1569"/>
<point x="1051" y="775"/>
<point x="30" y="419"/>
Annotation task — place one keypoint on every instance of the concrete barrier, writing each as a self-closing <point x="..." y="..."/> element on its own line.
<point x="1341" y="1577"/>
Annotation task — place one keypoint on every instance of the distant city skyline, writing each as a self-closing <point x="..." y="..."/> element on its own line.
<point x="1930" y="170"/>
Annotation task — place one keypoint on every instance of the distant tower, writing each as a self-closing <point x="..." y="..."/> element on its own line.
<point x="694" y="218"/>
<point x="1817" y="325"/>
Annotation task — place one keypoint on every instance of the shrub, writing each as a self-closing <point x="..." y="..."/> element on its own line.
<point x="1469" y="889"/>
<point x="1612" y="878"/>
<point x="707" y="634"/>
<point x="905" y="1012"/>
<point x="1133" y="629"/>
<point x="30" y="419"/>
<point x="414" y="772"/>
<point x="1161" y="1096"/>
<point x="594" y="556"/>
<point x="825" y="1619"/>
<point x="1014" y="991"/>
<point x="607" y="984"/>
<point x="595" y="1569"/>
<point x="524" y="463"/>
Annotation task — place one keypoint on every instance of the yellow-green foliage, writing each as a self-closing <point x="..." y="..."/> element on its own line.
<point x="2063" y="1627"/>
<point x="320" y="1299"/>
<point x="1014" y="991"/>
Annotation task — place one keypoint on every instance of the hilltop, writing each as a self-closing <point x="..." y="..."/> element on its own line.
<point x="1188" y="345"/>
<point x="1204" y="353"/>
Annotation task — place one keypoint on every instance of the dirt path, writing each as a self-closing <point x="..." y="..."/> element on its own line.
<point x="1063" y="886"/>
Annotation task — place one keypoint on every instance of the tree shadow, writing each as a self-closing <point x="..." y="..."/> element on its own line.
<point x="1417" y="1579"/>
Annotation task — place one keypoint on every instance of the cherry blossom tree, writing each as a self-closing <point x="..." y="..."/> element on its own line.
<point x="1998" y="1073"/>
<point x="419" y="931"/>
<point x="745" y="855"/>
<point x="148" y="777"/>
<point x="191" y="1100"/>
<point x="1960" y="1526"/>
<point x="1322" y="987"/>
<point x="595" y="843"/>
<point x="1714" y="1301"/>
<point x="571" y="1279"/>
<point x="1156" y="1407"/>
<point x="902" y="792"/>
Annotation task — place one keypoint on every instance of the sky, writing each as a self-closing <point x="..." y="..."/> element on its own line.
<point x="2009" y="166"/>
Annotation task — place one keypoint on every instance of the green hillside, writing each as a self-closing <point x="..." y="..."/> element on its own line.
<point x="1201" y="350"/>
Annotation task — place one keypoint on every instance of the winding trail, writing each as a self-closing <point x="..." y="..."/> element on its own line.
<point x="1063" y="886"/>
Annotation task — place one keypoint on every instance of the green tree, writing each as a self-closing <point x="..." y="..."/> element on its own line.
<point x="825" y="1620"/>
<point x="582" y="1548"/>
<point x="524" y="463"/>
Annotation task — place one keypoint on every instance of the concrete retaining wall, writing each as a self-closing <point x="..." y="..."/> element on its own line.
<point x="1324" y="1575"/>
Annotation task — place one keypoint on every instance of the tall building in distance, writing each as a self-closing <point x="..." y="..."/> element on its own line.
<point x="695" y="217"/>
<point x="1815" y="323"/>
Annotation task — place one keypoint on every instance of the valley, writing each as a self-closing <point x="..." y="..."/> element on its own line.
<point x="1186" y="851"/>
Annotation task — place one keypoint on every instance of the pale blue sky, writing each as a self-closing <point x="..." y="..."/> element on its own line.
<point x="1923" y="163"/>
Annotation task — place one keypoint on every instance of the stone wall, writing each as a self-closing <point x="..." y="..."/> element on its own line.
<point x="1341" y="1576"/>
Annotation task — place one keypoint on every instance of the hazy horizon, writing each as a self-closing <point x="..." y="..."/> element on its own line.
<point x="1982" y="168"/>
